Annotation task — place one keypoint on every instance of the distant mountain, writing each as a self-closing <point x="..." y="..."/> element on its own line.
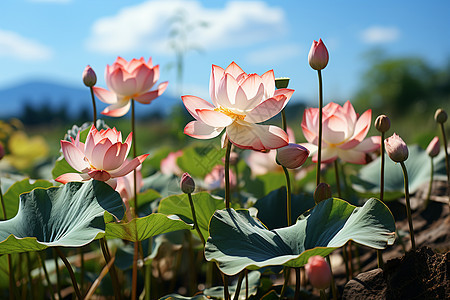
<point x="56" y="95"/>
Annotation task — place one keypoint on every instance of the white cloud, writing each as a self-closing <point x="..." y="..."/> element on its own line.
<point x="274" y="54"/>
<point x="379" y="35"/>
<point x="146" y="26"/>
<point x="19" y="47"/>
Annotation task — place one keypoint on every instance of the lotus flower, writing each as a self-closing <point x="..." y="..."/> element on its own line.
<point x="169" y="165"/>
<point x="102" y="157"/>
<point x="318" y="272"/>
<point x="240" y="100"/>
<point x="125" y="187"/>
<point x="343" y="133"/>
<point x="126" y="81"/>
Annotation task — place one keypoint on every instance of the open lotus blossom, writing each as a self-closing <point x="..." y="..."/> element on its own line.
<point x="126" y="81"/>
<point x="239" y="101"/>
<point x="343" y="133"/>
<point x="102" y="157"/>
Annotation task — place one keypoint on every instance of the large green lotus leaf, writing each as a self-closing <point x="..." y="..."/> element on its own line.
<point x="418" y="165"/>
<point x="238" y="241"/>
<point x="11" y="196"/>
<point x="272" y="209"/>
<point x="164" y="184"/>
<point x="199" y="161"/>
<point x="69" y="216"/>
<point x="205" y="205"/>
<point x="179" y="297"/>
<point x="253" y="284"/>
<point x="264" y="184"/>
<point x="143" y="228"/>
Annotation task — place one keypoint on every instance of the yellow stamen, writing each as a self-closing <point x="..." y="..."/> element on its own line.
<point x="230" y="113"/>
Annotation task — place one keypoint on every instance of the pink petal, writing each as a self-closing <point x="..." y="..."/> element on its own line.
<point x="192" y="103"/>
<point x="266" y="110"/>
<point x="369" y="145"/>
<point x="129" y="166"/>
<point x="105" y="95"/>
<point x="100" y="175"/>
<point x="234" y="70"/>
<point x="117" y="110"/>
<point x="251" y="86"/>
<point x="363" y="124"/>
<point x="349" y="111"/>
<point x="353" y="156"/>
<point x="334" y="130"/>
<point x="328" y="155"/>
<point x="73" y="156"/>
<point x="226" y="91"/>
<point x="98" y="153"/>
<point x="69" y="177"/>
<point x="144" y="78"/>
<point x="286" y="92"/>
<point x="216" y="75"/>
<point x="268" y="79"/>
<point x="148" y="97"/>
<point x="115" y="156"/>
<point x="241" y="102"/>
<point x="199" y="130"/>
<point x="122" y="83"/>
<point x="256" y="137"/>
<point x="213" y="118"/>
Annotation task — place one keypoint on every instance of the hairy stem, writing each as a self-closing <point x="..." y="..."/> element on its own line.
<point x="319" y="142"/>
<point x="288" y="196"/>
<point x="94" y="107"/>
<point x="227" y="175"/>
<point x="408" y="206"/>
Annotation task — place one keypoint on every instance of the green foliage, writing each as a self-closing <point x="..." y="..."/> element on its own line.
<point x="418" y="165"/>
<point x="205" y="206"/>
<point x="199" y="161"/>
<point x="67" y="216"/>
<point x="238" y="241"/>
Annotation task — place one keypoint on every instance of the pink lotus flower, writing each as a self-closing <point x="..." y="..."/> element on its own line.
<point x="343" y="133"/>
<point x="125" y="187"/>
<point x="434" y="147"/>
<point x="216" y="178"/>
<point x="318" y="55"/>
<point x="318" y="272"/>
<point x="240" y="100"/>
<point x="169" y="165"/>
<point x="396" y="148"/>
<point x="126" y="81"/>
<point x="102" y="157"/>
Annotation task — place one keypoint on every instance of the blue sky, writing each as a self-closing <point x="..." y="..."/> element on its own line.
<point x="56" y="39"/>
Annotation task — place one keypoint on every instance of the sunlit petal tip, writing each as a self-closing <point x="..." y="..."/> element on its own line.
<point x="69" y="177"/>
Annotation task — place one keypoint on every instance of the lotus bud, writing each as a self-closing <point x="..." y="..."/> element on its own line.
<point x="382" y="123"/>
<point x="434" y="147"/>
<point x="2" y="151"/>
<point x="318" y="55"/>
<point x="396" y="148"/>
<point x="440" y="116"/>
<point x="89" y="77"/>
<point x="292" y="156"/>
<point x="282" y="82"/>
<point x="322" y="192"/>
<point x="187" y="184"/>
<point x="318" y="272"/>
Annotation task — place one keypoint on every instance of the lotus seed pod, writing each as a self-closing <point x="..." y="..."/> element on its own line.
<point x="282" y="82"/>
<point x="382" y="123"/>
<point x="440" y="116"/>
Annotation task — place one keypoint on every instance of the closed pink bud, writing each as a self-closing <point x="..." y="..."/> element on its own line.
<point x="292" y="156"/>
<point x="89" y="77"/>
<point x="318" y="272"/>
<point x="318" y="55"/>
<point x="434" y="147"/>
<point x="187" y="184"/>
<point x="396" y="148"/>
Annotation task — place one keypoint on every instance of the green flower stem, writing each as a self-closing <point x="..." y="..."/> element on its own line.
<point x="194" y="217"/>
<point x="58" y="277"/>
<point x="319" y="142"/>
<point x="380" y="252"/>
<point x="112" y="270"/>
<point x="239" y="284"/>
<point x="297" y="283"/>
<point x="94" y="107"/>
<point x="226" y="293"/>
<point x="69" y="269"/>
<point x="447" y="167"/>
<point x="12" y="285"/>
<point x="408" y="206"/>
<point x="333" y="284"/>
<point x="42" y="262"/>
<point x="82" y="269"/>
<point x="283" y="120"/>
<point x="336" y="174"/>
<point x="323" y="295"/>
<point x="30" y="279"/>
<point x="148" y="273"/>
<point x="288" y="196"/>
<point x="286" y="281"/>
<point x="427" y="201"/>
<point x="345" y="256"/>
<point x="136" y="244"/>
<point x="238" y="192"/>
<point x="227" y="175"/>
